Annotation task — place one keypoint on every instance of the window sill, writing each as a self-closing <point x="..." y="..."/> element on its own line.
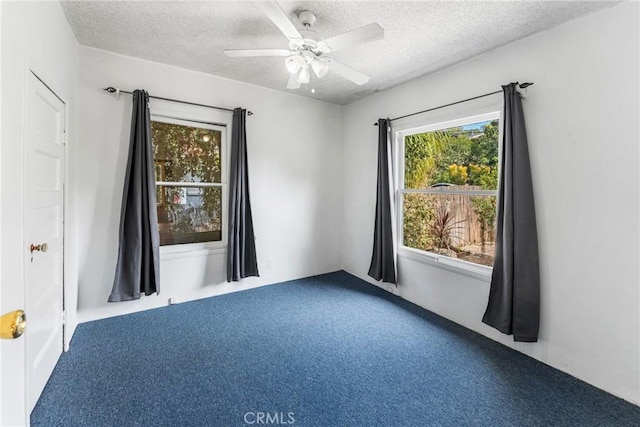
<point x="476" y="271"/>
<point x="191" y="250"/>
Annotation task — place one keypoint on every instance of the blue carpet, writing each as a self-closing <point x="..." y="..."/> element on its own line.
<point x="329" y="350"/>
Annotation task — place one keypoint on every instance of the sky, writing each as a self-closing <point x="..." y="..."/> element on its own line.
<point x="474" y="126"/>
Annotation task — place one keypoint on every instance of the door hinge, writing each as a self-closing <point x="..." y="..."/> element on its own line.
<point x="64" y="138"/>
<point x="64" y="317"/>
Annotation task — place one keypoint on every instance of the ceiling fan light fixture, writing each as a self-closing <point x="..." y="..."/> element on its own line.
<point x="323" y="47"/>
<point x="304" y="75"/>
<point x="319" y="67"/>
<point x="293" y="63"/>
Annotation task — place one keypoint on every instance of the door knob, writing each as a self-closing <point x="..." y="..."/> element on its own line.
<point x="12" y="324"/>
<point x="43" y="247"/>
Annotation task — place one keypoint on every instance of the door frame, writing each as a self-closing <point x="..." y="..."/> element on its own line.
<point x="25" y="190"/>
<point x="33" y="71"/>
<point x="13" y="396"/>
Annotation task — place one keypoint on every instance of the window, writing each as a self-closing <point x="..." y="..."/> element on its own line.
<point x="448" y="189"/>
<point x="188" y="159"/>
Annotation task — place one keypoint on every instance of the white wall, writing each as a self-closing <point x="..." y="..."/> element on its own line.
<point x="582" y="118"/>
<point x="37" y="36"/>
<point x="294" y="147"/>
<point x="311" y="168"/>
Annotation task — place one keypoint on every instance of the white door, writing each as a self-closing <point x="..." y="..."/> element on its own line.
<point x="44" y="213"/>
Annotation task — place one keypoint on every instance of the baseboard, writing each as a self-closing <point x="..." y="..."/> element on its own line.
<point x="631" y="396"/>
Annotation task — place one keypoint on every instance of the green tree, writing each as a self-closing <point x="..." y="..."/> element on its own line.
<point x="454" y="150"/>
<point x="188" y="154"/>
<point x="484" y="206"/>
<point x="457" y="174"/>
<point x="429" y="155"/>
<point x="455" y="156"/>
<point x="418" y="214"/>
<point x="484" y="176"/>
<point x="484" y="150"/>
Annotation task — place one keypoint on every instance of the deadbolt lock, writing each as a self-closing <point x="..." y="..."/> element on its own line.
<point x="43" y="247"/>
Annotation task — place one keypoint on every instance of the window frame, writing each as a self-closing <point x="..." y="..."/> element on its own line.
<point x="204" y="119"/>
<point x="461" y="118"/>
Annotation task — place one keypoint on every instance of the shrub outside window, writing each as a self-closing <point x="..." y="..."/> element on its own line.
<point x="448" y="189"/>
<point x="188" y="160"/>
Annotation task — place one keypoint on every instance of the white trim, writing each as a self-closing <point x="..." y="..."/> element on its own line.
<point x="444" y="191"/>
<point x="189" y="184"/>
<point x="171" y="119"/>
<point x="191" y="250"/>
<point x="492" y="115"/>
<point x="399" y="140"/>
<point x="476" y="271"/>
<point x="203" y="118"/>
<point x="471" y="108"/>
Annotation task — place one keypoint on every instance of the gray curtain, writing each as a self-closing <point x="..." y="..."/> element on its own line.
<point x="383" y="257"/>
<point x="514" y="297"/>
<point x="241" y="248"/>
<point x="138" y="268"/>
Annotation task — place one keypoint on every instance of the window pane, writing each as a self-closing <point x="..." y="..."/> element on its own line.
<point x="465" y="155"/>
<point x="186" y="153"/>
<point x="458" y="226"/>
<point x="189" y="214"/>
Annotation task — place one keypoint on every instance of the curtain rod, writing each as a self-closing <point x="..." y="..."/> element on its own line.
<point x="112" y="89"/>
<point x="521" y="85"/>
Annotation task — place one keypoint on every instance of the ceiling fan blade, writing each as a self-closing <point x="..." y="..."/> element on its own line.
<point x="256" y="52"/>
<point x="293" y="82"/>
<point x="347" y="72"/>
<point x="277" y="15"/>
<point x="360" y="35"/>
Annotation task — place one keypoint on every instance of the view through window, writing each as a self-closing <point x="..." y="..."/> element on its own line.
<point x="188" y="171"/>
<point x="448" y="200"/>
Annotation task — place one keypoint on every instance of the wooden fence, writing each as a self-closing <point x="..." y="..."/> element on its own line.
<point x="468" y="228"/>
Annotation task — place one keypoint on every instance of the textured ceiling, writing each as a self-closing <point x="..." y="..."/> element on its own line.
<point x="420" y="36"/>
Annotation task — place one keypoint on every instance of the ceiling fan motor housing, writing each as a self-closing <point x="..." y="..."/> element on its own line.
<point x="307" y="18"/>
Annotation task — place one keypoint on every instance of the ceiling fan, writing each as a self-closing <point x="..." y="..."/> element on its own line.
<point x="308" y="49"/>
